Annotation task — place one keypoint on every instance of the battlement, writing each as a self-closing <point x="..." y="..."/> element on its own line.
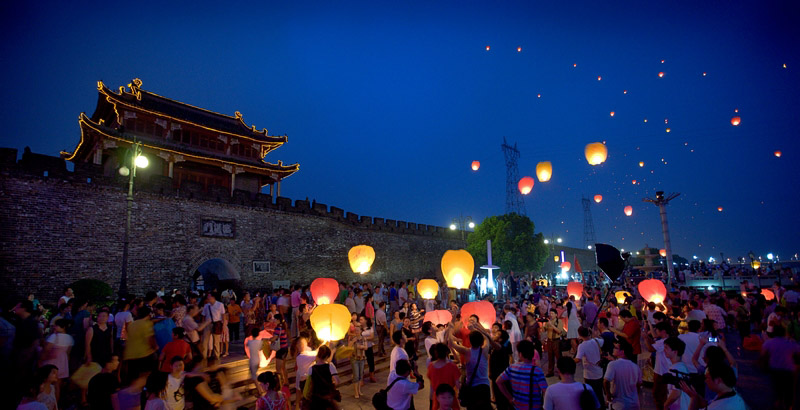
<point x="46" y="167"/>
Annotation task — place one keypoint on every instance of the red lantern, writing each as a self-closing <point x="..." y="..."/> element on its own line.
<point x="598" y="198"/>
<point x="628" y="210"/>
<point x="735" y="121"/>
<point x="525" y="185"/>
<point x="653" y="290"/>
<point x="565" y="266"/>
<point x="661" y="74"/>
<point x="519" y="49"/>
<point x="778" y="154"/>
<point x="719" y="208"/>
<point x="324" y="290"/>
<point x="612" y="113"/>
<point x="575" y="289"/>
<point x="483" y="309"/>
<point x="633" y="182"/>
<point x="476" y="165"/>
<point x="438" y="317"/>
<point x="768" y="294"/>
<point x="488" y="48"/>
<point x="662" y="252"/>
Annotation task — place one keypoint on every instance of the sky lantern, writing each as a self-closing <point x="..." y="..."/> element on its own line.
<point x="361" y="258"/>
<point x="768" y="294"/>
<point x="519" y="49"/>
<point x="324" y="290"/>
<point x="756" y="264"/>
<point x="633" y="182"/>
<point x="612" y="113"/>
<point x="483" y="309"/>
<point x="645" y="120"/>
<point x="457" y="268"/>
<point x="778" y="153"/>
<point x="596" y="153"/>
<point x="487" y="48"/>
<point x="628" y="210"/>
<point x="427" y="288"/>
<point x="641" y="164"/>
<point x="598" y="198"/>
<point x="525" y="185"/>
<point x="555" y="258"/>
<point x="575" y="289"/>
<point x="331" y="321"/>
<point x="652" y="290"/>
<point x="438" y="317"/>
<point x="662" y="252"/>
<point x="621" y="295"/>
<point x="599" y="78"/>
<point x="668" y="129"/>
<point x="735" y="121"/>
<point x="538" y="96"/>
<point x="704" y="73"/>
<point x="544" y="170"/>
<point x="660" y="74"/>
<point x="476" y="165"/>
<point x="565" y="266"/>
<point x="624" y="91"/>
<point x="719" y="208"/>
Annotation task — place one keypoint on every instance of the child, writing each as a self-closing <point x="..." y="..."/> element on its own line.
<point x="177" y="347"/>
<point x="445" y="395"/>
<point x="273" y="398"/>
<point x="254" y="348"/>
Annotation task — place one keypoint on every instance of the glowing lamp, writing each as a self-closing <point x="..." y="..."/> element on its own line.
<point x="599" y="78"/>
<point x="427" y="288"/>
<point x="596" y="153"/>
<point x="488" y="48"/>
<point x="641" y="164"/>
<point x="519" y="49"/>
<point x="719" y="208"/>
<point x="778" y="154"/>
<point x="331" y="321"/>
<point x="628" y="210"/>
<point x="361" y="258"/>
<point x="662" y="252"/>
<point x="612" y="113"/>
<point x="668" y="130"/>
<point x="768" y="294"/>
<point x="621" y="295"/>
<point x="565" y="266"/>
<point x="660" y="74"/>
<point x="756" y="264"/>
<point x="438" y="317"/>
<point x="736" y="121"/>
<point x="598" y="198"/>
<point x="457" y="268"/>
<point x="525" y="185"/>
<point x="476" y="165"/>
<point x="555" y="258"/>
<point x="653" y="290"/>
<point x="575" y="289"/>
<point x="141" y="161"/>
<point x="633" y="182"/>
<point x="483" y="309"/>
<point x="544" y="170"/>
<point x="324" y="290"/>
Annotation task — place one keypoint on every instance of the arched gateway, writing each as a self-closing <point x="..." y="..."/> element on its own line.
<point x="217" y="274"/>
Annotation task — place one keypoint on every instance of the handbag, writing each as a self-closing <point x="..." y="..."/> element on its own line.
<point x="465" y="394"/>
<point x="216" y="327"/>
<point x="380" y="398"/>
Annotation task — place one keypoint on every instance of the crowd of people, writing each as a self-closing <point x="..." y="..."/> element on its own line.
<point x="164" y="350"/>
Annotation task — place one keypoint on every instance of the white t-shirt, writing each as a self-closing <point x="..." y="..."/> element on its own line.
<point x="366" y="334"/>
<point x="589" y="352"/>
<point x="770" y="318"/>
<point x="400" y="395"/>
<point x="429" y="341"/>
<point x="565" y="396"/>
<point x="398" y="353"/>
<point x="214" y="312"/>
<point x="662" y="363"/>
<point x="173" y="385"/>
<point x="624" y="375"/>
<point x="304" y="361"/>
<point x="254" y="348"/>
<point x="60" y="339"/>
<point x="156" y="404"/>
<point x="731" y="403"/>
<point x="683" y="402"/>
<point x="692" y="341"/>
<point x="120" y="320"/>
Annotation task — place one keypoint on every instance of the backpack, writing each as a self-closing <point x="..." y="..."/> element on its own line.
<point x="380" y="398"/>
<point x="587" y="400"/>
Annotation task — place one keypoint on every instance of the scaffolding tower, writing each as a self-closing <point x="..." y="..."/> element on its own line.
<point x="588" y="224"/>
<point x="514" y="200"/>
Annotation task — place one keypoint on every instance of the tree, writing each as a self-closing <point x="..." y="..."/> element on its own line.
<point x="515" y="247"/>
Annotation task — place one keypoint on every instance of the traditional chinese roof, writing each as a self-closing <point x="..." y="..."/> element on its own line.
<point x="147" y="101"/>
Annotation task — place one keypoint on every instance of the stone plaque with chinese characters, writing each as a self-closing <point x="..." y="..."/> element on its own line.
<point x="218" y="228"/>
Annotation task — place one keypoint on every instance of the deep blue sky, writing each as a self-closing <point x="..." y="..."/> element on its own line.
<point x="386" y="106"/>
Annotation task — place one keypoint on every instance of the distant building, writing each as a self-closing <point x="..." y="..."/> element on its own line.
<point x="181" y="141"/>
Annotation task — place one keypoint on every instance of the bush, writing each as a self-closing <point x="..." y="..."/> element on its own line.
<point x="96" y="291"/>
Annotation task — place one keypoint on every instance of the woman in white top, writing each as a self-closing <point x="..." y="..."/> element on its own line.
<point x="573" y="323"/>
<point x="369" y="336"/>
<point x="156" y="391"/>
<point x="57" y="348"/>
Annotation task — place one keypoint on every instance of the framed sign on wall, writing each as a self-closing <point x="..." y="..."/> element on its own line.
<point x="260" y="267"/>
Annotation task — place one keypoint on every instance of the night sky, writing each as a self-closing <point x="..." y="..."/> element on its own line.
<point x="386" y="107"/>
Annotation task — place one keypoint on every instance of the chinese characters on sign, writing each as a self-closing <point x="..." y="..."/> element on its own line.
<point x="216" y="228"/>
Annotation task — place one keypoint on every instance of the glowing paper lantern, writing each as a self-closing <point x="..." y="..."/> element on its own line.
<point x="324" y="290"/>
<point x="621" y="295"/>
<point x="756" y="264"/>
<point x="633" y="182"/>
<point x="778" y="154"/>
<point x="476" y="165"/>
<point x="361" y="258"/>
<point x="525" y="185"/>
<point x="331" y="321"/>
<point x="719" y="208"/>
<point x="645" y="120"/>
<point x="662" y="252"/>
<point x="736" y="121"/>
<point x="438" y="317"/>
<point x="599" y="78"/>
<point x="624" y="91"/>
<point x="575" y="289"/>
<point x="427" y="288"/>
<point x="628" y="210"/>
<point x="612" y="113"/>
<point x="565" y="266"/>
<point x="457" y="268"/>
<point x="668" y="129"/>
<point x="596" y="153"/>
<point x="660" y="74"/>
<point x="555" y="258"/>
<point x="641" y="164"/>
<point x="483" y="309"/>
<point x="653" y="290"/>
<point x="768" y="294"/>
<point x="544" y="170"/>
<point x="598" y="198"/>
<point x="519" y="49"/>
<point x="488" y="48"/>
<point x="538" y="96"/>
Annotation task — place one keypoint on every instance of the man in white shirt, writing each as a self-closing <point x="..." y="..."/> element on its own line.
<point x="692" y="341"/>
<point x="676" y="398"/>
<point x="660" y="332"/>
<point x="402" y="294"/>
<point x="720" y="379"/>
<point x="402" y="392"/>
<point x="566" y="395"/>
<point x="213" y="311"/>
<point x="623" y="377"/>
<point x="589" y="351"/>
<point x="398" y="353"/>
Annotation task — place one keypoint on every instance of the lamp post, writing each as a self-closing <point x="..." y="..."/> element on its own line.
<point x="661" y="202"/>
<point x="552" y="242"/>
<point x="137" y="161"/>
<point x="462" y="222"/>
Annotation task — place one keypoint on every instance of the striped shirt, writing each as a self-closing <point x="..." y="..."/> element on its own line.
<point x="281" y="333"/>
<point x="519" y="374"/>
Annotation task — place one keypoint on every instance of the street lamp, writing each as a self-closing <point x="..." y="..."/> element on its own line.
<point x="137" y="161"/>
<point x="462" y="222"/>
<point x="552" y="242"/>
